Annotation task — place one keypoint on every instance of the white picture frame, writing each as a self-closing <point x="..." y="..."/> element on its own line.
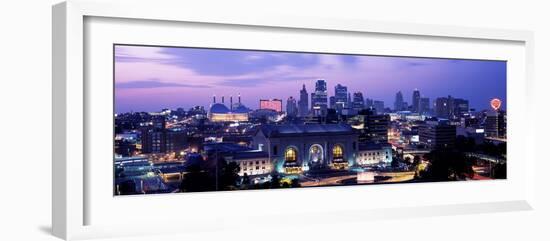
<point x="71" y="191"/>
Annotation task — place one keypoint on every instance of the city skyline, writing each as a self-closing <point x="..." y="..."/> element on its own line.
<point x="152" y="78"/>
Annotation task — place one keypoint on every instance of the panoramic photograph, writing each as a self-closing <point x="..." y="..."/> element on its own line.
<point x="202" y="119"/>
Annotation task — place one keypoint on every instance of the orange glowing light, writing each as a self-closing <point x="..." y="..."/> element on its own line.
<point x="495" y="103"/>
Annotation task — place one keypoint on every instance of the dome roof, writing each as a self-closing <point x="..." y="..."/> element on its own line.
<point x="241" y="109"/>
<point x="219" y="108"/>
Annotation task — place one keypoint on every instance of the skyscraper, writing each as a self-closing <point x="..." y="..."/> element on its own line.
<point x="416" y="101"/>
<point x="303" y="103"/>
<point x="319" y="100"/>
<point x="332" y="102"/>
<point x="340" y="98"/>
<point x="378" y="106"/>
<point x="369" y="103"/>
<point x="424" y="106"/>
<point x="443" y="107"/>
<point x="460" y="107"/>
<point x="399" y="105"/>
<point x="291" y="108"/>
<point x="358" y="102"/>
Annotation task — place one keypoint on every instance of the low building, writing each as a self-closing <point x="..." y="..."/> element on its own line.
<point x="251" y="163"/>
<point x="219" y="112"/>
<point x="374" y="154"/>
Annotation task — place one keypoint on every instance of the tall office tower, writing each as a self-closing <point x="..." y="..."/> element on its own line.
<point x="460" y="107"/>
<point x="444" y="107"/>
<point x="424" y="106"/>
<point x="319" y="100"/>
<point x="416" y="101"/>
<point x="358" y="102"/>
<point x="303" y="103"/>
<point x="399" y="105"/>
<point x="495" y="122"/>
<point x="340" y="98"/>
<point x="332" y="102"/>
<point x="369" y="103"/>
<point x="378" y="106"/>
<point x="291" y="108"/>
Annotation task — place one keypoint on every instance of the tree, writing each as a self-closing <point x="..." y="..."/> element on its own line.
<point x="447" y="164"/>
<point x="394" y="163"/>
<point x="275" y="180"/>
<point x="499" y="171"/>
<point x="246" y="180"/>
<point x="127" y="187"/>
<point x="229" y="175"/>
<point x="416" y="160"/>
<point x="465" y="144"/>
<point x="196" y="180"/>
<point x="295" y="183"/>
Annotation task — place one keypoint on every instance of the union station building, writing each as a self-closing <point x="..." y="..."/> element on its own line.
<point x="295" y="148"/>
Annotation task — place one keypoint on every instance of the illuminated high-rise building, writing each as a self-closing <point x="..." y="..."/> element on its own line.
<point x="424" y="106"/>
<point x="319" y="99"/>
<point x="303" y="105"/>
<point x="358" y="102"/>
<point x="291" y="107"/>
<point x="340" y="98"/>
<point x="399" y="104"/>
<point x="495" y="121"/>
<point x="416" y="101"/>
<point x="443" y="107"/>
<point x="378" y="106"/>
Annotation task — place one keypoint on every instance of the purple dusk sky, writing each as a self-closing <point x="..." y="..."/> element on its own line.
<point x="152" y="78"/>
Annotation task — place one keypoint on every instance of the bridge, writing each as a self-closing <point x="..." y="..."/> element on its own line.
<point x="486" y="157"/>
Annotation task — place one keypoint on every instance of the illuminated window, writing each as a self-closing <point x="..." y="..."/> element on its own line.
<point x="337" y="151"/>
<point x="291" y="155"/>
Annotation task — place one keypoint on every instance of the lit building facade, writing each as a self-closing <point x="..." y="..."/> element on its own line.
<point x="298" y="148"/>
<point x="437" y="134"/>
<point x="274" y="104"/>
<point x="374" y="154"/>
<point x="319" y="98"/>
<point x="251" y="163"/>
<point x="495" y="124"/>
<point x="358" y="102"/>
<point x="218" y="112"/>
<point x="340" y="98"/>
<point x="372" y="127"/>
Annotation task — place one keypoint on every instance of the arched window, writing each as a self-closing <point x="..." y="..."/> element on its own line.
<point x="337" y="151"/>
<point x="291" y="154"/>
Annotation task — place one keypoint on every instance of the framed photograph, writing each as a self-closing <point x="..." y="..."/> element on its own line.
<point x="185" y="114"/>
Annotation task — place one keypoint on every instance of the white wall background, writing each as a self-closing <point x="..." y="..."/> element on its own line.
<point x="25" y="119"/>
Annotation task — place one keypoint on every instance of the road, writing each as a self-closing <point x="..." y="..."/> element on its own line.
<point x="337" y="180"/>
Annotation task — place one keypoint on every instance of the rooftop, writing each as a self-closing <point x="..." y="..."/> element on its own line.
<point x="305" y="129"/>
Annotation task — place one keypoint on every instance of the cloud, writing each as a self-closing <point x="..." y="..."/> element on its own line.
<point x="124" y="53"/>
<point x="258" y="81"/>
<point x="147" y="84"/>
<point x="224" y="62"/>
